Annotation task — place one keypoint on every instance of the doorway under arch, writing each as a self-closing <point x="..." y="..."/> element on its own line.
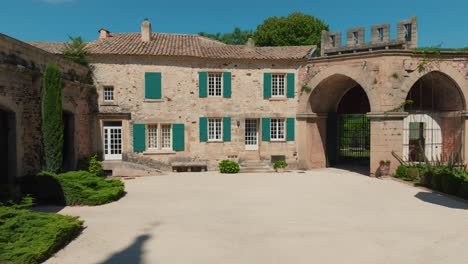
<point x="7" y="146"/>
<point x="346" y="104"/>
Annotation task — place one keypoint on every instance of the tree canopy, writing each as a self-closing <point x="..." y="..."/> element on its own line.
<point x="294" y="30"/>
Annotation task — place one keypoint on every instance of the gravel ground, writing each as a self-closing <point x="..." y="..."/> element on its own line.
<point x="321" y="216"/>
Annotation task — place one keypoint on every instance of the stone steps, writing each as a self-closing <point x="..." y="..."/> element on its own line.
<point x="255" y="166"/>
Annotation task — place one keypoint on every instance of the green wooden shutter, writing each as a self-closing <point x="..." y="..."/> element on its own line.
<point x="290" y="81"/>
<point x="202" y="84"/>
<point x="227" y="129"/>
<point x="153" y="85"/>
<point x="178" y="137"/>
<point x="139" y="138"/>
<point x="203" y="129"/>
<point x="266" y="128"/>
<point x="267" y="85"/>
<point x="227" y="85"/>
<point x="290" y="129"/>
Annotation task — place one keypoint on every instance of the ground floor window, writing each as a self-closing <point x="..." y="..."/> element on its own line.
<point x="215" y="129"/>
<point x="277" y="129"/>
<point x="159" y="136"/>
<point x="422" y="137"/>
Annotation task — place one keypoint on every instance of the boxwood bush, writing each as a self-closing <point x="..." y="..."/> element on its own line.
<point x="280" y="164"/>
<point x="229" y="166"/>
<point x="28" y="237"/>
<point x="73" y="188"/>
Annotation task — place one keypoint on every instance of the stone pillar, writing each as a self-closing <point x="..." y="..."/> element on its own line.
<point x="386" y="136"/>
<point x="312" y="129"/>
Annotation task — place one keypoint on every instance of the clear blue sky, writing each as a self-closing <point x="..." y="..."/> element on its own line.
<point x="443" y="22"/>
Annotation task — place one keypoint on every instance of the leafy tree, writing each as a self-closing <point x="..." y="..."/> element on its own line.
<point x="52" y="123"/>
<point x="236" y="37"/>
<point x="76" y="51"/>
<point x="293" y="30"/>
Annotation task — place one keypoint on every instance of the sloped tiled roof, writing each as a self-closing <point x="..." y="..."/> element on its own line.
<point x="163" y="44"/>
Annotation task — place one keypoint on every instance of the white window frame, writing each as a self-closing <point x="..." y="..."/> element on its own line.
<point x="111" y="94"/>
<point x="163" y="136"/>
<point x="215" y="79"/>
<point x="213" y="137"/>
<point x="159" y="137"/>
<point x="275" y="84"/>
<point x="274" y="124"/>
<point x="152" y="131"/>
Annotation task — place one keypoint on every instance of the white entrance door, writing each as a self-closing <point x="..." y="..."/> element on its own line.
<point x="112" y="140"/>
<point x="251" y="134"/>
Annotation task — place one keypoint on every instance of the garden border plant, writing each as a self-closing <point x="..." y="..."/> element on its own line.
<point x="229" y="166"/>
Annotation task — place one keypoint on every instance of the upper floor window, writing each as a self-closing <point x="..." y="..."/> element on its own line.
<point x="278" y="85"/>
<point x="215" y="129"/>
<point x="277" y="130"/>
<point x="356" y="37"/>
<point x="215" y="84"/>
<point x="408" y="32"/>
<point x="108" y="93"/>
<point x="380" y="33"/>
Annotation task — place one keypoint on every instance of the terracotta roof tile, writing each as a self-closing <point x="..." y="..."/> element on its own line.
<point x="163" y="44"/>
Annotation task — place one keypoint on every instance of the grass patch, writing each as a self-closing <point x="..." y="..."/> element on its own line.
<point x="73" y="188"/>
<point x="28" y="237"/>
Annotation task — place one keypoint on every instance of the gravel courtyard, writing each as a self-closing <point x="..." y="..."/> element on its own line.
<point x="321" y="216"/>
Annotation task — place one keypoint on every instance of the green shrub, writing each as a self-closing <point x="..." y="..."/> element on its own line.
<point x="463" y="190"/>
<point x="451" y="182"/>
<point x="228" y="166"/>
<point x="95" y="166"/>
<point x="73" y="188"/>
<point x="280" y="164"/>
<point x="412" y="173"/>
<point x="436" y="179"/>
<point x="52" y="123"/>
<point x="401" y="172"/>
<point x="28" y="237"/>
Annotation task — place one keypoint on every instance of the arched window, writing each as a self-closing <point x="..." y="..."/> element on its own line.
<point x="422" y="137"/>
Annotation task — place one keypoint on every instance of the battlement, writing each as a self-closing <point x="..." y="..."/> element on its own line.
<point x="407" y="38"/>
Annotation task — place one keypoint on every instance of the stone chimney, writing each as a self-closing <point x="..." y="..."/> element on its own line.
<point x="250" y="44"/>
<point x="145" y="30"/>
<point x="103" y="33"/>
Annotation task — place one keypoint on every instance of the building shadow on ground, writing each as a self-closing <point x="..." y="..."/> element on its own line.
<point x="442" y="200"/>
<point x="132" y="254"/>
<point x="359" y="169"/>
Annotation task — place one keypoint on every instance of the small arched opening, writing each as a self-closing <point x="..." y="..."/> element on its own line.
<point x="69" y="158"/>
<point x="7" y="146"/>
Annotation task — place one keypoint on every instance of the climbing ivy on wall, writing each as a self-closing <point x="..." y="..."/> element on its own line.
<point x="52" y="123"/>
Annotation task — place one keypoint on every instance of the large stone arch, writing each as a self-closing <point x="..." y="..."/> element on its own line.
<point x="442" y="68"/>
<point x="355" y="73"/>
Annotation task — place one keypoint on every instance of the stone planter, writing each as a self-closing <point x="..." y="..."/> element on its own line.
<point x="384" y="168"/>
<point x="280" y="170"/>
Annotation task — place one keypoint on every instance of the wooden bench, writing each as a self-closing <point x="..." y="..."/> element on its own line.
<point x="194" y="166"/>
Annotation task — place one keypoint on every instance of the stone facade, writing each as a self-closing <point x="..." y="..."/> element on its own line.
<point x="21" y="69"/>
<point x="181" y="103"/>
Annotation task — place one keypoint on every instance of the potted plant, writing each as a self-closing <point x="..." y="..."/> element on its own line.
<point x="384" y="168"/>
<point x="280" y="165"/>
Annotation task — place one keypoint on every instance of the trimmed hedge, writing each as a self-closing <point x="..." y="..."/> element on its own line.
<point x="28" y="237"/>
<point x="444" y="179"/>
<point x="228" y="166"/>
<point x="73" y="188"/>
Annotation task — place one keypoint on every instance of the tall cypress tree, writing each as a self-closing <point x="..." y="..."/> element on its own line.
<point x="52" y="123"/>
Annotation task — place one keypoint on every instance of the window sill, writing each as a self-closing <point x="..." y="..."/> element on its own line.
<point x="277" y="99"/>
<point x="278" y="140"/>
<point x="214" y="141"/>
<point x="109" y="104"/>
<point x="159" y="152"/>
<point x="153" y="100"/>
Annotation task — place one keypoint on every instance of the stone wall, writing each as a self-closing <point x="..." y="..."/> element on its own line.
<point x="21" y="69"/>
<point x="181" y="102"/>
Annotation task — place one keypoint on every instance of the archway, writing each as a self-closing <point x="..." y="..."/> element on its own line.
<point x="346" y="104"/>
<point x="434" y="127"/>
<point x="7" y="146"/>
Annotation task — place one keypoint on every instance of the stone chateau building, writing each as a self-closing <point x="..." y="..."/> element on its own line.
<point x="163" y="99"/>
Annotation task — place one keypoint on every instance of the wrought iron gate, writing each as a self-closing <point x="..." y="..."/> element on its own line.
<point x="353" y="138"/>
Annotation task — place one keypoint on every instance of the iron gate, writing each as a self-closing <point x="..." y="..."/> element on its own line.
<point x="353" y="138"/>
